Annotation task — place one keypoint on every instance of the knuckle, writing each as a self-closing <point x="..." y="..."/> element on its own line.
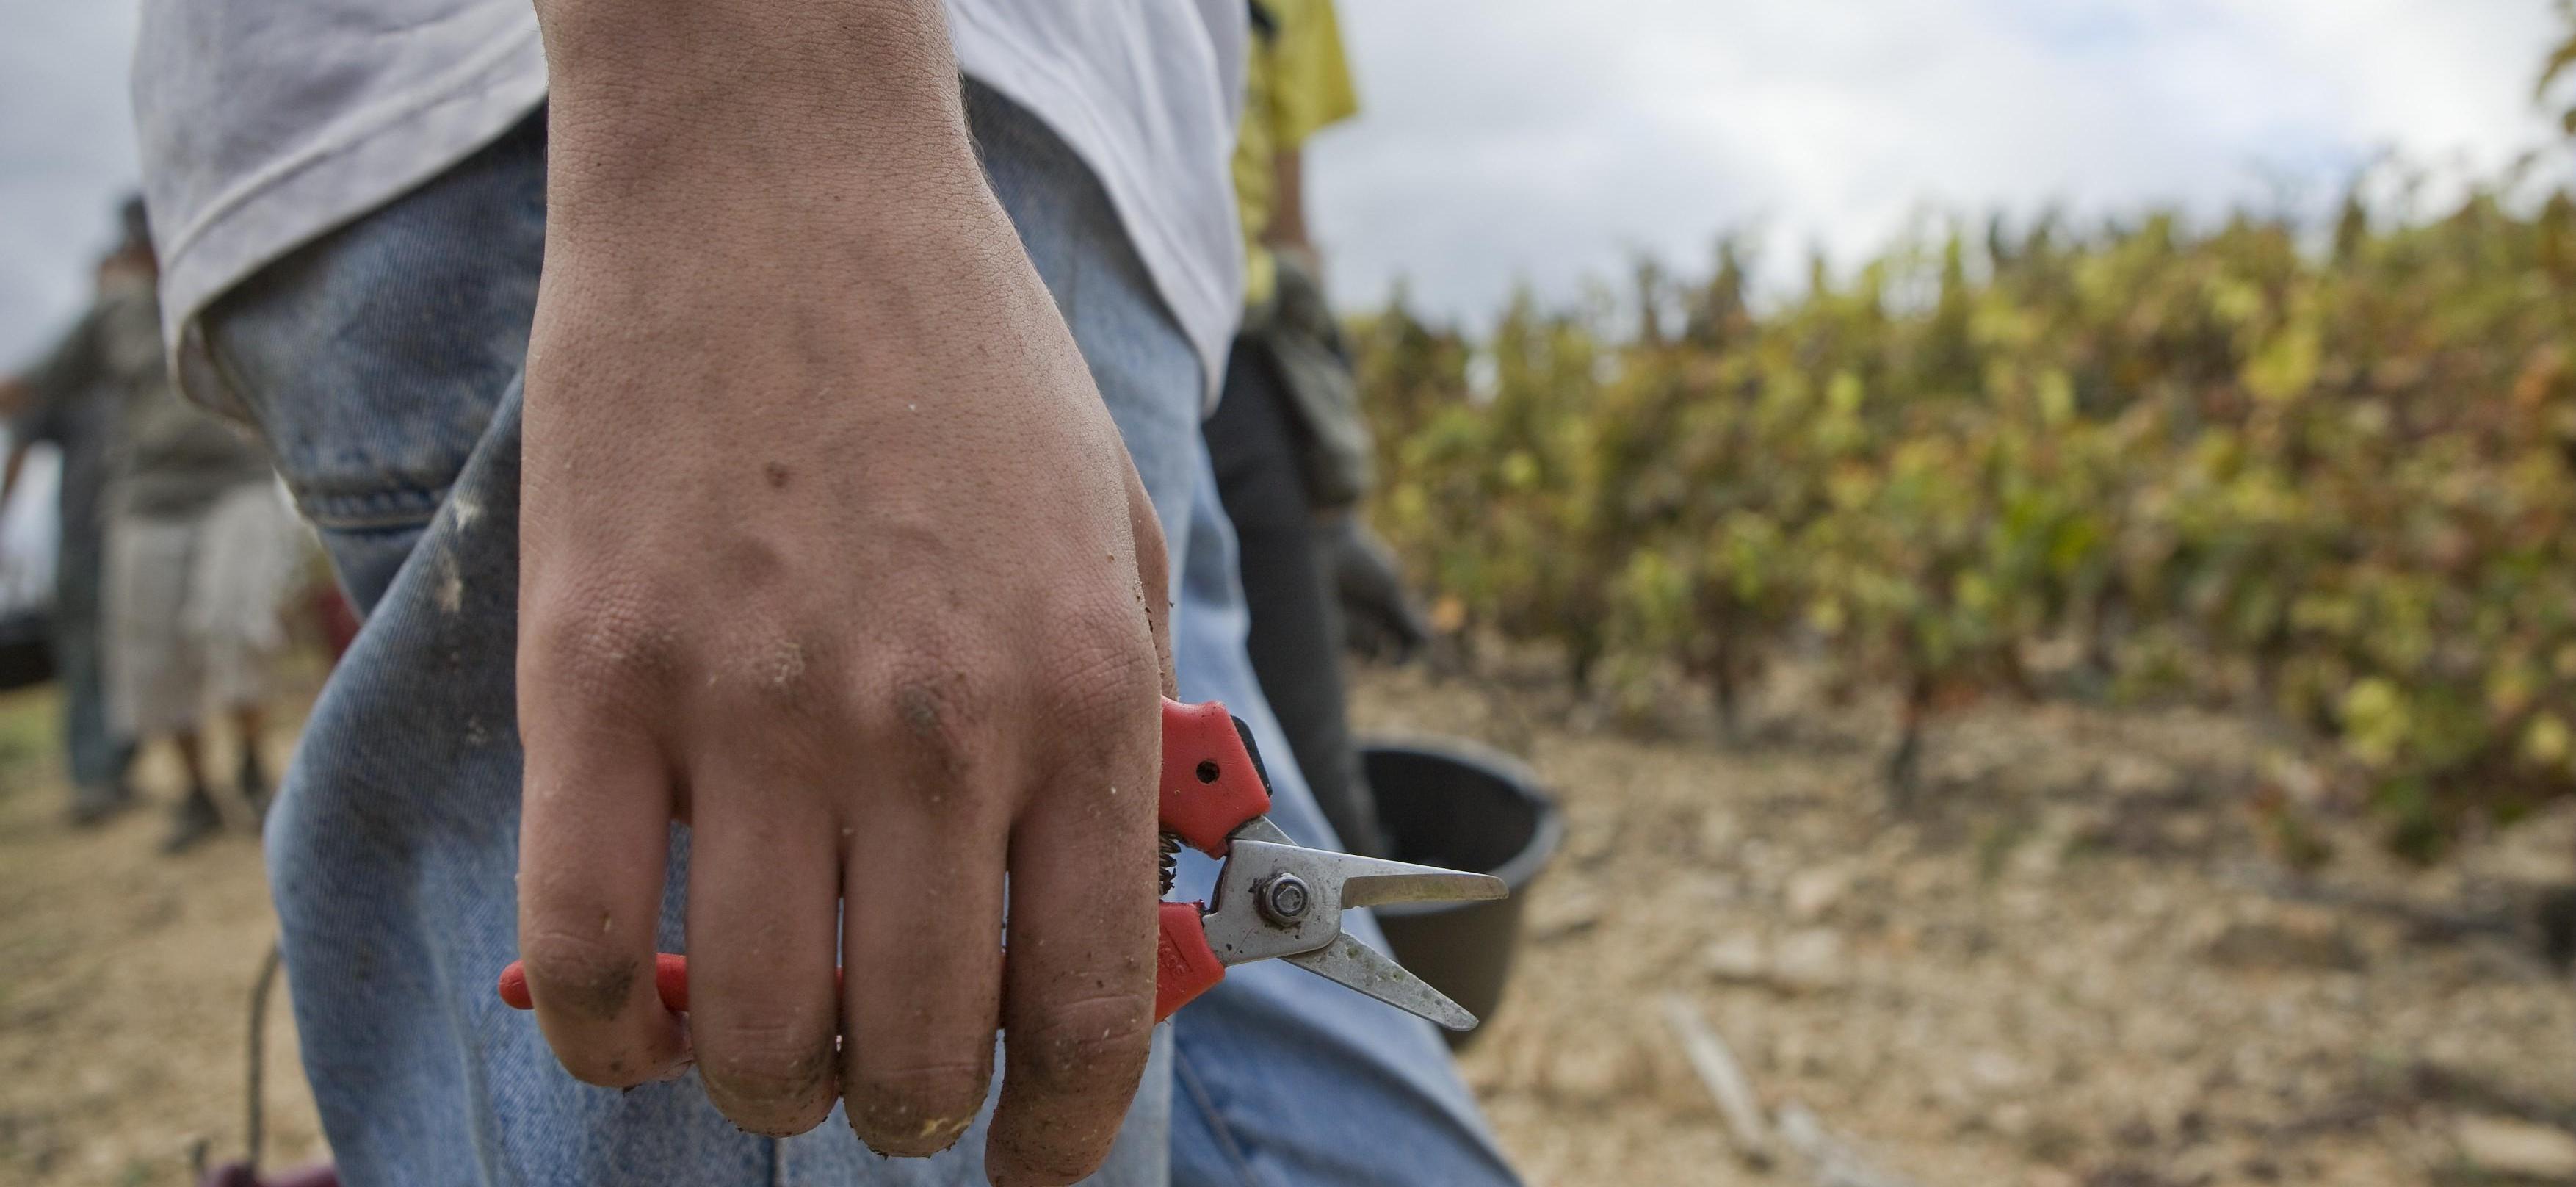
<point x="769" y="1077"/>
<point x="600" y="640"/>
<point x="1103" y="665"/>
<point x="781" y="668"/>
<point x="1099" y="701"/>
<point x="1089" y="1045"/>
<point x="932" y="711"/>
<point x="581" y="975"/>
<point x="914" y="1110"/>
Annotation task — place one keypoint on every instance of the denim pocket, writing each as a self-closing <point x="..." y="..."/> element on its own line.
<point x="372" y="359"/>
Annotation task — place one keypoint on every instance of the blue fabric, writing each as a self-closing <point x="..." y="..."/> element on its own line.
<point x="96" y="754"/>
<point x="75" y="409"/>
<point x="382" y="363"/>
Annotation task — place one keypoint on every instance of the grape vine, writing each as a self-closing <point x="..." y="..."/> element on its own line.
<point x="2330" y="484"/>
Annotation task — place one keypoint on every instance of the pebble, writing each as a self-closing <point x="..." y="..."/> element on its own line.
<point x="1566" y="914"/>
<point x="1995" y="1071"/>
<point x="2521" y="1149"/>
<point x="1811" y="893"/>
<point x="1739" y="958"/>
<point x="2292" y="941"/>
<point x="1591" y="1073"/>
<point x="1808" y="961"/>
<point x="2125" y="774"/>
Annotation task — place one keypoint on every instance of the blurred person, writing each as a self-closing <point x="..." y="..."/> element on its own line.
<point x="1381" y="619"/>
<point x="200" y="549"/>
<point x="719" y="412"/>
<point x="1290" y="451"/>
<point x="71" y="400"/>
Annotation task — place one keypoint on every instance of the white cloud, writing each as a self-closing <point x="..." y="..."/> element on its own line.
<point x="66" y="157"/>
<point x="1542" y="141"/>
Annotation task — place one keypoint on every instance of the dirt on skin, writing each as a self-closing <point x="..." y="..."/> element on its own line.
<point x="2080" y="962"/>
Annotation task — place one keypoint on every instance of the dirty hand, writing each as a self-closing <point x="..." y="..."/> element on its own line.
<point x="829" y="548"/>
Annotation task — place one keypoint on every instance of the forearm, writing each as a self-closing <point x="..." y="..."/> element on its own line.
<point x="1287" y="227"/>
<point x="786" y="178"/>
<point x="16" y="464"/>
<point x="15" y="395"/>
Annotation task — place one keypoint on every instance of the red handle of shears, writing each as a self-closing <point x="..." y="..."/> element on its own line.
<point x="1211" y="786"/>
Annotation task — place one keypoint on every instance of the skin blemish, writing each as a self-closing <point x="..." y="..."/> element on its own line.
<point x="787" y="666"/>
<point x="776" y="473"/>
<point x="920" y="711"/>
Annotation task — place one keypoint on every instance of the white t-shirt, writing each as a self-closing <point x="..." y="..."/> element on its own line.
<point x="265" y="123"/>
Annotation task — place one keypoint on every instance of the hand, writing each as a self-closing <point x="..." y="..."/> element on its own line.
<point x="829" y="548"/>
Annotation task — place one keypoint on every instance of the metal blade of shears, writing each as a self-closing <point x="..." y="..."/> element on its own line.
<point x="1354" y="881"/>
<point x="1375" y="882"/>
<point x="1259" y="828"/>
<point x="1350" y="963"/>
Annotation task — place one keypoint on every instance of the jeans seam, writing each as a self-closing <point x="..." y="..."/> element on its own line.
<point x="337" y="512"/>
<point x="398" y="507"/>
<point x="1226" y="1142"/>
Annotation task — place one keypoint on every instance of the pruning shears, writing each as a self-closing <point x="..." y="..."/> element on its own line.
<point x="1274" y="898"/>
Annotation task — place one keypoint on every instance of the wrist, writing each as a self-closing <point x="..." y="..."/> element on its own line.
<point x="806" y="99"/>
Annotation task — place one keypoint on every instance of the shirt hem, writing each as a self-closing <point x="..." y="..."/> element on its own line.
<point x="325" y="190"/>
<point x="299" y="202"/>
<point x="1186" y="281"/>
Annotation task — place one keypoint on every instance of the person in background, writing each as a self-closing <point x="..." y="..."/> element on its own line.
<point x="70" y="399"/>
<point x="200" y="548"/>
<point x="1291" y="453"/>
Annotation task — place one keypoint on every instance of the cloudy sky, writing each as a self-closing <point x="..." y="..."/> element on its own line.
<point x="1544" y="141"/>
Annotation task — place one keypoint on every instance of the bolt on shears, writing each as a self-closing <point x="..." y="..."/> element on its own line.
<point x="1274" y="898"/>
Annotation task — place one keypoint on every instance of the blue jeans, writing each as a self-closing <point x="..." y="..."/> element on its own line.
<point x="382" y="363"/>
<point x="95" y="753"/>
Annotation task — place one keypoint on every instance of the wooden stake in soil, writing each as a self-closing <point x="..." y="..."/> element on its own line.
<point x="1717" y="1068"/>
